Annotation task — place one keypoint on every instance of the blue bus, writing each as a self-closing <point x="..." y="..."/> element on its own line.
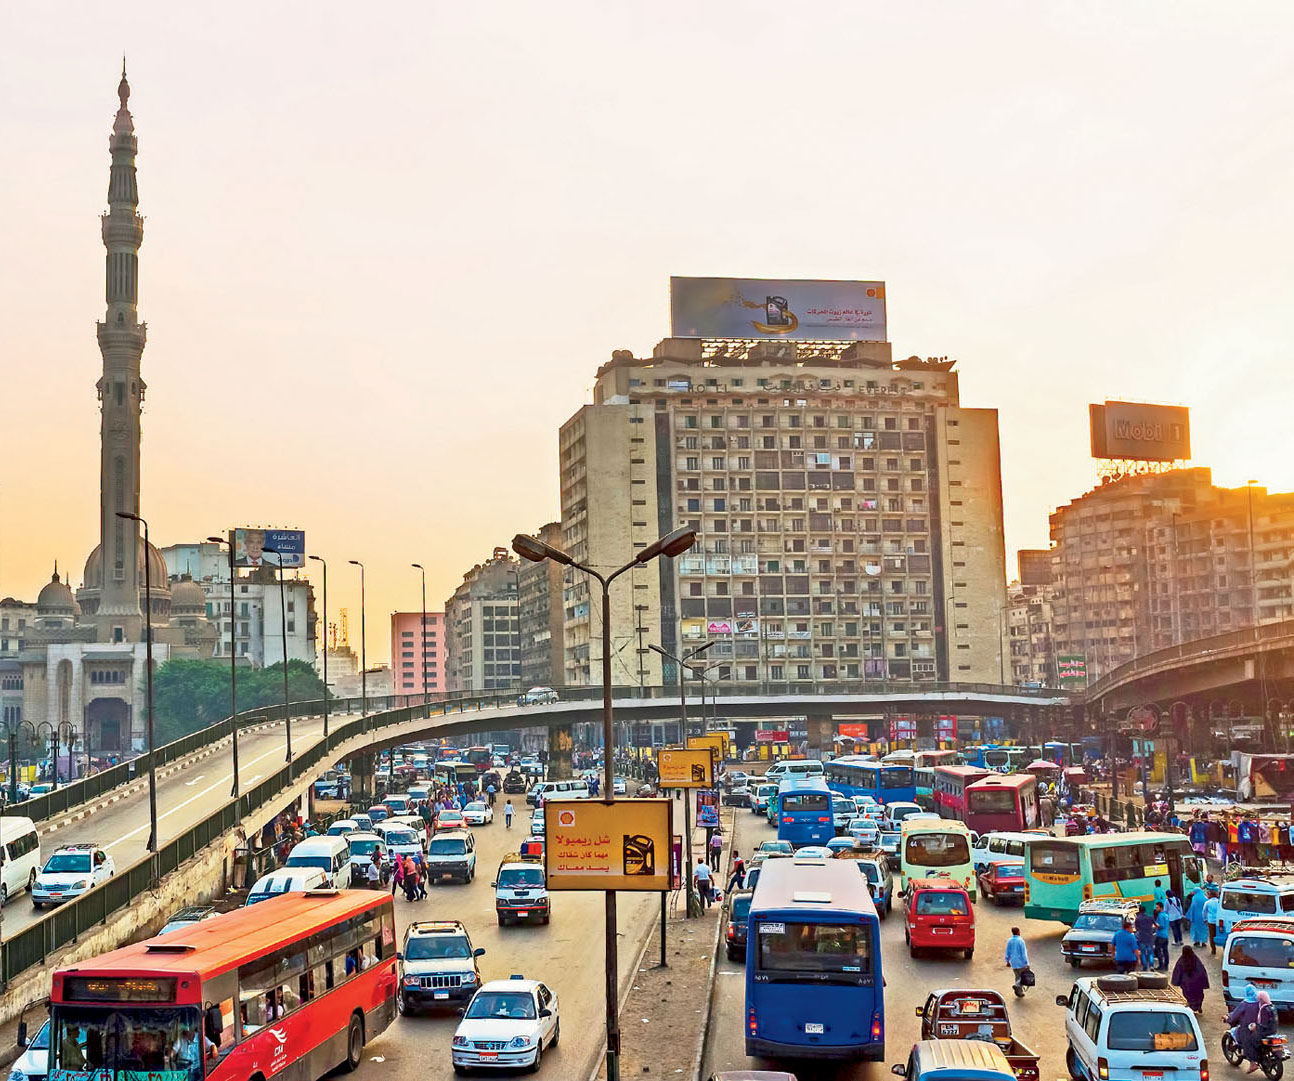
<point x="814" y="987"/>
<point x="994" y="757"/>
<point x="804" y="814"/>
<point x="885" y="782"/>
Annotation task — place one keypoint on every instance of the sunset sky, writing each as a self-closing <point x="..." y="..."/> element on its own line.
<point x="386" y="247"/>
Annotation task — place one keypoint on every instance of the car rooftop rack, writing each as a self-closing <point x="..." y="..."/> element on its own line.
<point x="1273" y="870"/>
<point x="1144" y="994"/>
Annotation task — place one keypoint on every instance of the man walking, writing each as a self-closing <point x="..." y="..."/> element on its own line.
<point x="1161" y="938"/>
<point x="1212" y="910"/>
<point x="716" y="850"/>
<point x="507" y="814"/>
<point x="704" y="882"/>
<point x="1145" y="928"/>
<point x="1017" y="959"/>
<point x="738" y="873"/>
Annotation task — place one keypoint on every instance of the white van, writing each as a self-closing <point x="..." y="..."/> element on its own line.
<point x="1260" y="952"/>
<point x="21" y="855"/>
<point x="1255" y="897"/>
<point x="801" y="767"/>
<point x="286" y="880"/>
<point x="1127" y="1028"/>
<point x="987" y="848"/>
<point x="330" y="854"/>
<point x="575" y="788"/>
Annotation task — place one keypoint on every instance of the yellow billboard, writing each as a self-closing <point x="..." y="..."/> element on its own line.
<point x="693" y="768"/>
<point x="717" y="740"/>
<point x="592" y="845"/>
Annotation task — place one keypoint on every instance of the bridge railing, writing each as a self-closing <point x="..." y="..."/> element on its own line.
<point x="1263" y="633"/>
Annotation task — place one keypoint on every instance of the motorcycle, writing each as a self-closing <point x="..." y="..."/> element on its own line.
<point x="1271" y="1059"/>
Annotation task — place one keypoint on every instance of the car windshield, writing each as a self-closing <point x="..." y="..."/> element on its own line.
<point x="521" y="876"/>
<point x="1261" y="952"/>
<point x="362" y="846"/>
<point x="448" y="846"/>
<point x="41" y="1042"/>
<point x="338" y="828"/>
<point x="1143" y="1030"/>
<point x="129" y="1042"/>
<point x="941" y="903"/>
<point x="512" y="1005"/>
<point x="401" y="837"/>
<point x="741" y="907"/>
<point x="890" y="839"/>
<point x="776" y="846"/>
<point x="475" y="806"/>
<point x="1098" y="921"/>
<point x="324" y="863"/>
<point x="1232" y="900"/>
<point x="65" y="862"/>
<point x="436" y="948"/>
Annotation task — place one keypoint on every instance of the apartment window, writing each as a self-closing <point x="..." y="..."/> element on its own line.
<point x="716" y="463"/>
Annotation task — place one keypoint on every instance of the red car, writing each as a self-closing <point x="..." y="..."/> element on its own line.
<point x="1003" y="882"/>
<point x="449" y="819"/>
<point x="938" y="915"/>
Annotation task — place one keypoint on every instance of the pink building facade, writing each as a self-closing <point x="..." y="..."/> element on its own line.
<point x="409" y="654"/>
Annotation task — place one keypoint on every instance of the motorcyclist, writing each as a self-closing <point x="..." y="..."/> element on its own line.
<point x="1252" y="1019"/>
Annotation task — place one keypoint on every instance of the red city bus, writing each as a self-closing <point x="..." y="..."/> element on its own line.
<point x="950" y="789"/>
<point x="481" y="757"/>
<point x="998" y="804"/>
<point x="295" y="985"/>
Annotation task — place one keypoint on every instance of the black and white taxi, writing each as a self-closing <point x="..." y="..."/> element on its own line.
<point x="508" y="1024"/>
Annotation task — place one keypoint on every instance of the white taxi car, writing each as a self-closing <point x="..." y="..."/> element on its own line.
<point x="69" y="872"/>
<point x="508" y="1024"/>
<point x="478" y="813"/>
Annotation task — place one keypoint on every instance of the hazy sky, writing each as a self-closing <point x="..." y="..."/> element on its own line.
<point x="386" y="247"/>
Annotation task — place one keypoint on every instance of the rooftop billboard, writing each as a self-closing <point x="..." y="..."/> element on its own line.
<point x="1034" y="566"/>
<point x="249" y="547"/>
<point x="803" y="310"/>
<point x="1141" y="432"/>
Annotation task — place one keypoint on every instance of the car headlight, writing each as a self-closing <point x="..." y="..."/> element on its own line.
<point x="470" y="978"/>
<point x="462" y="1041"/>
<point x="519" y="1042"/>
<point x="84" y="884"/>
<point x="411" y="981"/>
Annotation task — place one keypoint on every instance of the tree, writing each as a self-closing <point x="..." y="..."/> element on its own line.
<point x="192" y="695"/>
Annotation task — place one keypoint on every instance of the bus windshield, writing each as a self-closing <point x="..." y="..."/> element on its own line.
<point x="995" y="758"/>
<point x="896" y="777"/>
<point x="992" y="801"/>
<point x="160" y="1042"/>
<point x="937" y="850"/>
<point x="812" y="951"/>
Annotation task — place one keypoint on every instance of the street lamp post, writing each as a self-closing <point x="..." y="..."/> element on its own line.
<point x="233" y="659"/>
<point x="363" y="638"/>
<point x="283" y="623"/>
<point x="672" y="544"/>
<point x="422" y="652"/>
<point x="1253" y="558"/>
<point x="320" y="559"/>
<point x="53" y="735"/>
<point x="683" y="668"/>
<point x="148" y="692"/>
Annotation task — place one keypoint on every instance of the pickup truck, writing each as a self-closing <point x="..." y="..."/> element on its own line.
<point x="520" y="891"/>
<point x="977" y="1014"/>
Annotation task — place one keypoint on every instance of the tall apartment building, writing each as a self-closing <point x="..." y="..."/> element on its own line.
<point x="1149" y="561"/>
<point x="541" y="616"/>
<point x="481" y="628"/>
<point x="849" y="512"/>
<point x="417" y="651"/>
<point x="1031" y="645"/>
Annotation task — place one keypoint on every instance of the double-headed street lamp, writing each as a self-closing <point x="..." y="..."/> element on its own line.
<point x="320" y="559"/>
<point x="283" y="621"/>
<point x="672" y="544"/>
<point x="422" y="652"/>
<point x="148" y="691"/>
<point x="363" y="637"/>
<point x="233" y="658"/>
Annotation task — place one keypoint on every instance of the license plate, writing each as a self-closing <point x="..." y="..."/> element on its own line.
<point x="942" y="930"/>
<point x="489" y="1054"/>
<point x="1090" y="949"/>
<point x="1152" y="1073"/>
<point x="1017" y="889"/>
<point x="813" y="1028"/>
<point x="440" y="994"/>
<point x="523" y="912"/>
<point x="1265" y="983"/>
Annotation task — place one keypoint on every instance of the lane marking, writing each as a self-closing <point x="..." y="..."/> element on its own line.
<point x="190" y="784"/>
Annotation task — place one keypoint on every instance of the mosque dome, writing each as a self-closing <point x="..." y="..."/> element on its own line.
<point x="156" y="568"/>
<point x="187" y="598"/>
<point x="56" y="598"/>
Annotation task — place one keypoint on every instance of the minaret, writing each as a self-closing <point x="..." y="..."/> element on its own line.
<point x="121" y="390"/>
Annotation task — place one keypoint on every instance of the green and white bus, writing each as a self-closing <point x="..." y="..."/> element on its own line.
<point x="1062" y="873"/>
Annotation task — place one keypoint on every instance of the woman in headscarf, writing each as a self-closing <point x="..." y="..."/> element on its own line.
<point x="1252" y="1019"/>
<point x="1195" y="913"/>
<point x="1190" y="975"/>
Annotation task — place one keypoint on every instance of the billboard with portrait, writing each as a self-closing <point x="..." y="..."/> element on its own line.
<point x="803" y="310"/>
<point x="249" y="547"/>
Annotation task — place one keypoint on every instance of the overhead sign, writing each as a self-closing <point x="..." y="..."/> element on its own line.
<point x="1071" y="670"/>
<point x="592" y="845"/>
<point x="855" y="730"/>
<point x="772" y="735"/>
<point x="686" y="769"/>
<point x="806" y="310"/>
<point x="1140" y="431"/>
<point x="250" y="544"/>
<point x="1034" y="565"/>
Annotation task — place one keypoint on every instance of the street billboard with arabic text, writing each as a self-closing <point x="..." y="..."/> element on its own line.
<point x="592" y="845"/>
<point x="691" y="768"/>
<point x="250" y="547"/>
<point x="772" y="308"/>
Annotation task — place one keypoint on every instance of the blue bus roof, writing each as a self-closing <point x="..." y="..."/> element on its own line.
<point x="812" y="886"/>
<point x="804" y="784"/>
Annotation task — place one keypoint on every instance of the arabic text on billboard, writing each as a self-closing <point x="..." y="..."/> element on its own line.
<point x="772" y="735"/>
<point x="806" y="310"/>
<point x="591" y="845"/>
<point x="250" y="547"/>
<point x="692" y="768"/>
<point x="1140" y="431"/>
<point x="1071" y="670"/>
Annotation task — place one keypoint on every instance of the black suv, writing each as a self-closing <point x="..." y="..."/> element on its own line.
<point x="437" y="966"/>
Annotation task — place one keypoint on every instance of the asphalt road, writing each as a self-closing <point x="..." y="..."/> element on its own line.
<point x="1036" y="1020"/>
<point x="567" y="955"/>
<point x="184" y="798"/>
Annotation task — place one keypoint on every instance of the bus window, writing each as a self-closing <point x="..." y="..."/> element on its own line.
<point x="937" y="849"/>
<point x="1053" y="859"/>
<point x="794" y="948"/>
